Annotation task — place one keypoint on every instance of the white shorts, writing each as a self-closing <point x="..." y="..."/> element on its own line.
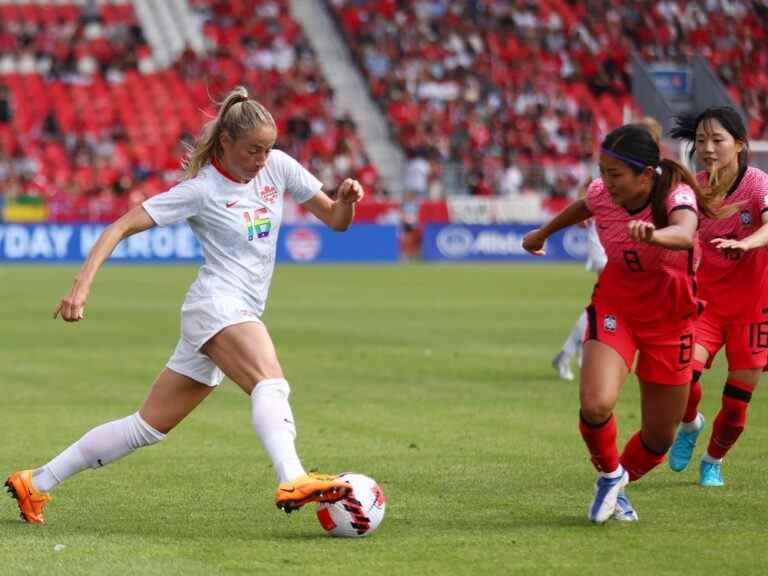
<point x="201" y="321"/>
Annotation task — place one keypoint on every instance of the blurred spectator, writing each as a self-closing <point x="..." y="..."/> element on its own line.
<point x="6" y="109"/>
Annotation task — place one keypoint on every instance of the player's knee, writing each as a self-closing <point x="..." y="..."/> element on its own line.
<point x="596" y="411"/>
<point x="272" y="387"/>
<point x="141" y="433"/>
<point x="658" y="441"/>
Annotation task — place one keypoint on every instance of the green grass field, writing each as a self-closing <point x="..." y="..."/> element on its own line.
<point x="435" y="380"/>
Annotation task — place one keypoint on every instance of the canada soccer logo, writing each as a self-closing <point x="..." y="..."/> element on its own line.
<point x="268" y="194"/>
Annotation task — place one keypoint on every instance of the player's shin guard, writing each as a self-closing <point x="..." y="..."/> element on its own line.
<point x="638" y="459"/>
<point x="273" y="423"/>
<point x="694" y="396"/>
<point x="601" y="443"/>
<point x="97" y="448"/>
<point x="731" y="419"/>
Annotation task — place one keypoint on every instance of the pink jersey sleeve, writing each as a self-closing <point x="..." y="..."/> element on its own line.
<point x="759" y="186"/>
<point x="595" y="188"/>
<point x="682" y="197"/>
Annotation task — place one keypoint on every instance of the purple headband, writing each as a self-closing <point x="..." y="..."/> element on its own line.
<point x="626" y="159"/>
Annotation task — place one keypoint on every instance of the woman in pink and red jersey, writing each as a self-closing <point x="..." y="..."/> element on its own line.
<point x="646" y="213"/>
<point x="733" y="255"/>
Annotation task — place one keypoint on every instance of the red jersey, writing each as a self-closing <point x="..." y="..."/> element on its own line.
<point x="736" y="286"/>
<point x="645" y="282"/>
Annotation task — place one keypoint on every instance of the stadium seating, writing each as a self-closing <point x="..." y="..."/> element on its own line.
<point x="470" y="86"/>
<point x="97" y="135"/>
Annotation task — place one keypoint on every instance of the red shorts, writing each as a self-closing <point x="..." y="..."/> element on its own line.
<point x="665" y="350"/>
<point x="746" y="345"/>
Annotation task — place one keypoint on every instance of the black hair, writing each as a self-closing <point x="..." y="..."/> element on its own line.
<point x="634" y="145"/>
<point x="729" y="118"/>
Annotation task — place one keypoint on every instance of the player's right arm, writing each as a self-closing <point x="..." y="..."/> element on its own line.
<point x="533" y="242"/>
<point x="72" y="305"/>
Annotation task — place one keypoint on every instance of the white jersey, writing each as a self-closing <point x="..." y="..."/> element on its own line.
<point x="237" y="226"/>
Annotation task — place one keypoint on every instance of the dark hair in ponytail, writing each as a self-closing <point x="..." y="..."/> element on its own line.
<point x="634" y="145"/>
<point x="686" y="125"/>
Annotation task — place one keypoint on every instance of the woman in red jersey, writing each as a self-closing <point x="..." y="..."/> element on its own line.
<point x="733" y="255"/>
<point x="643" y="305"/>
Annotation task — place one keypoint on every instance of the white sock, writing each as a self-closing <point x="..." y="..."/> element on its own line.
<point x="576" y="337"/>
<point x="97" y="448"/>
<point x="618" y="473"/>
<point x="694" y="425"/>
<point x="272" y="420"/>
<point x="711" y="459"/>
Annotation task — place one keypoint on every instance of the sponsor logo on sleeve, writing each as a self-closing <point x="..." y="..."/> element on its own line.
<point x="684" y="198"/>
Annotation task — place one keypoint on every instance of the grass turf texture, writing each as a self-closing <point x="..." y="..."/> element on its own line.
<point x="435" y="380"/>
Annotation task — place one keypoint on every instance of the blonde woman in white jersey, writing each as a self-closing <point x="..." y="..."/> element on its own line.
<point x="596" y="261"/>
<point x="232" y="198"/>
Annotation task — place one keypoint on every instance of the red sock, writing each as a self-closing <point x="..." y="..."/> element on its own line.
<point x="601" y="443"/>
<point x="694" y="396"/>
<point x="731" y="419"/>
<point x="638" y="459"/>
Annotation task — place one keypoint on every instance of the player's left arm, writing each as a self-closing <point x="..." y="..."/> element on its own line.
<point x="677" y="235"/>
<point x="339" y="213"/>
<point x="757" y="239"/>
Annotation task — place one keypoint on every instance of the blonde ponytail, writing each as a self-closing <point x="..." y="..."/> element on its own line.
<point x="237" y="115"/>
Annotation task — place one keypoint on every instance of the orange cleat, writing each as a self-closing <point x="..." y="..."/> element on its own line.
<point x="310" y="488"/>
<point x="30" y="501"/>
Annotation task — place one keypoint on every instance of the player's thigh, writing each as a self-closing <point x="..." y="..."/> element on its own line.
<point x="709" y="337"/>
<point x="245" y="353"/>
<point x="603" y="371"/>
<point x="171" y="398"/>
<point x="662" y="408"/>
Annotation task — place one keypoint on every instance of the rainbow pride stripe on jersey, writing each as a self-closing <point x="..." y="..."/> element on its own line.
<point x="260" y="225"/>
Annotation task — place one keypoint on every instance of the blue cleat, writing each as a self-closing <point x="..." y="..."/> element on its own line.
<point x="606" y="493"/>
<point x="624" y="511"/>
<point x="682" y="450"/>
<point x="710" y="474"/>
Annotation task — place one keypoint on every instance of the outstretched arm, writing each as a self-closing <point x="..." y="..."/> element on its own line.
<point x="757" y="239"/>
<point x="337" y="214"/>
<point x="72" y="305"/>
<point x="533" y="242"/>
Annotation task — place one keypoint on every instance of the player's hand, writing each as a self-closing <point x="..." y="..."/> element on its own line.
<point x="350" y="192"/>
<point x="534" y="241"/>
<point x="72" y="306"/>
<point x="641" y="231"/>
<point x="730" y="246"/>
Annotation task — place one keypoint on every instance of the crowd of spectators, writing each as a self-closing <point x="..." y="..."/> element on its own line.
<point x="731" y="34"/>
<point x="508" y="96"/>
<point x="88" y="126"/>
<point x="486" y="97"/>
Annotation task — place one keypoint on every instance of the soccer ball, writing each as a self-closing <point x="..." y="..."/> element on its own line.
<point x="359" y="513"/>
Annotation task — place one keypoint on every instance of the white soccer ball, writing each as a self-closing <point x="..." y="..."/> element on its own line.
<point x="359" y="513"/>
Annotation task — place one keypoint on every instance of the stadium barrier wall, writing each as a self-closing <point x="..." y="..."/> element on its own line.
<point x="69" y="243"/>
<point x="464" y="242"/>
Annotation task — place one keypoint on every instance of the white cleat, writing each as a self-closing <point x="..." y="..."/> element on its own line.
<point x="607" y="492"/>
<point x="624" y="511"/>
<point x="562" y="363"/>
